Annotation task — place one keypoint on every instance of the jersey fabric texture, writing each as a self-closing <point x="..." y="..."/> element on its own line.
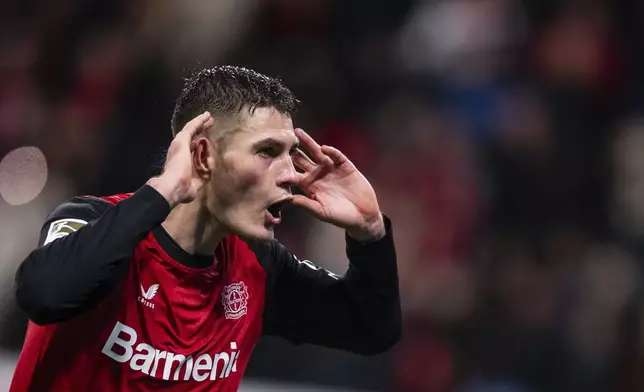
<point x="116" y="305"/>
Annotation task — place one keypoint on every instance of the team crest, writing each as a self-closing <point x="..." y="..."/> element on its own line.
<point x="234" y="297"/>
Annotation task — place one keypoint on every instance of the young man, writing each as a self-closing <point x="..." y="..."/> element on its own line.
<point x="172" y="286"/>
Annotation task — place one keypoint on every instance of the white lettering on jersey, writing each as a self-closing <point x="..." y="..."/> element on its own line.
<point x="63" y="227"/>
<point x="120" y="346"/>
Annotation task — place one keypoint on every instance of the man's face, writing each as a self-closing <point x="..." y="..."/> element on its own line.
<point x="253" y="171"/>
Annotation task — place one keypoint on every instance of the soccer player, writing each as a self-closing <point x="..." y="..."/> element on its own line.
<point x="171" y="287"/>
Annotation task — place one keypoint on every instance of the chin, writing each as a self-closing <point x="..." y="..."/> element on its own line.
<point x="256" y="232"/>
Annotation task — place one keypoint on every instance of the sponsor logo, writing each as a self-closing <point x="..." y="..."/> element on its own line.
<point x="63" y="227"/>
<point x="146" y="295"/>
<point x="234" y="297"/>
<point x="122" y="347"/>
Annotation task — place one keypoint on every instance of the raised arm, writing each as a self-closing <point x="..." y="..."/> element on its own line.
<point x="84" y="250"/>
<point x="359" y="312"/>
<point x="86" y="245"/>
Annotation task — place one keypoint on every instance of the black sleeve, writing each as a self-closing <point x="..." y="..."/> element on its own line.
<point x="359" y="312"/>
<point x="84" y="249"/>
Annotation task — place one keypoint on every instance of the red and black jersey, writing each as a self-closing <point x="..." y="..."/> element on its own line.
<point x="116" y="305"/>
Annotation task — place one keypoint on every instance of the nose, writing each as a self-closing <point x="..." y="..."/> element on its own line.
<point x="288" y="176"/>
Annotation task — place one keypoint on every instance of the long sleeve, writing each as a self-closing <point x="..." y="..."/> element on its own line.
<point x="83" y="252"/>
<point x="359" y="312"/>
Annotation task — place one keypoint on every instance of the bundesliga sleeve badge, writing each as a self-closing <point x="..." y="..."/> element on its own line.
<point x="63" y="227"/>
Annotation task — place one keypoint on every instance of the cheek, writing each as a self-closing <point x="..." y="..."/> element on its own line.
<point x="246" y="183"/>
<point x="237" y="180"/>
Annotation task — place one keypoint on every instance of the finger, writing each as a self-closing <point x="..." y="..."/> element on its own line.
<point x="197" y="122"/>
<point x="302" y="161"/>
<point x="302" y="180"/>
<point x="336" y="155"/>
<point x="312" y="147"/>
<point x="209" y="123"/>
<point x="195" y="125"/>
<point x="309" y="205"/>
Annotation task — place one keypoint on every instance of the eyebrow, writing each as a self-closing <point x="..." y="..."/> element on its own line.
<point x="272" y="141"/>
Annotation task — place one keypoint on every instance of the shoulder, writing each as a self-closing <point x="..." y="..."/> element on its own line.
<point x="75" y="213"/>
<point x="266" y="249"/>
<point x="270" y="253"/>
<point x="86" y="206"/>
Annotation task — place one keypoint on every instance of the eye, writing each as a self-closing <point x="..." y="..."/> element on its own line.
<point x="293" y="151"/>
<point x="269" y="152"/>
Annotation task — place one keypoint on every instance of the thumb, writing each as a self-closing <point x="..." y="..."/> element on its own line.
<point x="312" y="206"/>
<point x="195" y="187"/>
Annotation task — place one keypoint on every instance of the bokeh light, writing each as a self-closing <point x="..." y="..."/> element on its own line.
<point x="23" y="175"/>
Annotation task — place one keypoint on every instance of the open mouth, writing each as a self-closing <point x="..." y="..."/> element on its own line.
<point x="275" y="209"/>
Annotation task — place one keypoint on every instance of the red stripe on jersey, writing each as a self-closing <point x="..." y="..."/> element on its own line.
<point x="114" y="199"/>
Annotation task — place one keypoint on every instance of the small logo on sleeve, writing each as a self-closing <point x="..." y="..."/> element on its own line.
<point x="63" y="227"/>
<point x="234" y="297"/>
<point x="314" y="267"/>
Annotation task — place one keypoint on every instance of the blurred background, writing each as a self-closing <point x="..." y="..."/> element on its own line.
<point x="505" y="139"/>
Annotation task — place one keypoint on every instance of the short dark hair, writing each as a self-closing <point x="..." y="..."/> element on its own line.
<point x="225" y="90"/>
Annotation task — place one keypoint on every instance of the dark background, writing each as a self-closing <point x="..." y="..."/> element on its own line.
<point x="504" y="138"/>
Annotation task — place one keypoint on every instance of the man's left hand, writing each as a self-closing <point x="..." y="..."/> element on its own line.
<point x="336" y="192"/>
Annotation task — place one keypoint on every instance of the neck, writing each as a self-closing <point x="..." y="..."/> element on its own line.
<point x="193" y="227"/>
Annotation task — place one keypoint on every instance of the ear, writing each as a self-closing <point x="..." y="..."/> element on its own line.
<point x="203" y="157"/>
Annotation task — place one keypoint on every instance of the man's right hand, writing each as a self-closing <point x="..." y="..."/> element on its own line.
<point x="177" y="183"/>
